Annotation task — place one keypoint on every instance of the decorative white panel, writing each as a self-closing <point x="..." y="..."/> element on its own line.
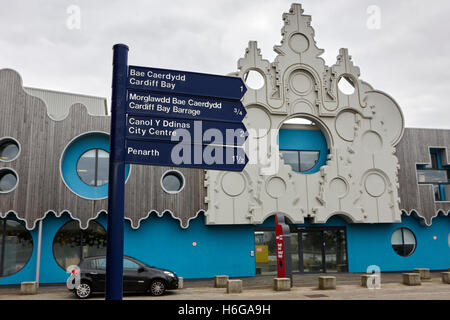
<point x="359" y="180"/>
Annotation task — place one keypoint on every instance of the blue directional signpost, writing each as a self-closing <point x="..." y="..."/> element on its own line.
<point x="167" y="118"/>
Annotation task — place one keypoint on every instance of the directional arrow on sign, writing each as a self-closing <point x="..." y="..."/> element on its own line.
<point x="185" y="130"/>
<point x="191" y="83"/>
<point x="184" y="107"/>
<point x="174" y="154"/>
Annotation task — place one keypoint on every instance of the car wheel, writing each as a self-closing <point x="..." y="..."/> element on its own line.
<point x="83" y="291"/>
<point x="157" y="287"/>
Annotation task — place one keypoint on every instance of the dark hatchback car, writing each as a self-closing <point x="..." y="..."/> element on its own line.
<point x="137" y="277"/>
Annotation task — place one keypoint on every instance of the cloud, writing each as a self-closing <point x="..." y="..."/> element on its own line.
<point x="407" y="57"/>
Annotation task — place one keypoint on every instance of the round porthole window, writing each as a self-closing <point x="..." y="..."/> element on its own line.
<point x="85" y="165"/>
<point x="403" y="242"/>
<point x="71" y="244"/>
<point x="8" y="180"/>
<point x="9" y="149"/>
<point x="93" y="167"/>
<point x="172" y="181"/>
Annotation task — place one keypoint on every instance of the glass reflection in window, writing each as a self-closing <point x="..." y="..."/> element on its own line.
<point x="71" y="243"/>
<point x="16" y="247"/>
<point x="9" y="149"/>
<point x="300" y="160"/>
<point x="403" y="242"/>
<point x="308" y="160"/>
<point x="8" y="180"/>
<point x="290" y="157"/>
<point x="93" y="167"/>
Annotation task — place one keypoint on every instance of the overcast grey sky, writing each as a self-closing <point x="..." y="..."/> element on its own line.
<point x="407" y="57"/>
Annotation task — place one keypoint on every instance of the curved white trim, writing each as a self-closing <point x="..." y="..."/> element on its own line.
<point x="17" y="177"/>
<point x="160" y="214"/>
<point x="59" y="215"/>
<point x="423" y="221"/>
<point x="183" y="180"/>
<point x="64" y="152"/>
<point x="43" y="102"/>
<point x="18" y="144"/>
<point x="274" y="213"/>
<point x="341" y="214"/>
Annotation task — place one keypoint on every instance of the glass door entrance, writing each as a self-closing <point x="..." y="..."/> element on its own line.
<point x="311" y="259"/>
<point x="313" y="250"/>
<point x="322" y="250"/>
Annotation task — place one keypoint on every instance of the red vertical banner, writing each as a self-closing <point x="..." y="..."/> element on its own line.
<point x="280" y="246"/>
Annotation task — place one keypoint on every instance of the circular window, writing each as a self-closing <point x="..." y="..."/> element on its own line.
<point x="16" y="246"/>
<point x="85" y="165"/>
<point x="93" y="166"/>
<point x="8" y="180"/>
<point x="403" y="242"/>
<point x="71" y="243"/>
<point x="346" y="85"/>
<point x="172" y="181"/>
<point x="303" y="145"/>
<point x="9" y="149"/>
<point x="254" y="80"/>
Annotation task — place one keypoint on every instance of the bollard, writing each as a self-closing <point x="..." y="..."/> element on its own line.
<point x="446" y="277"/>
<point x="411" y="279"/>
<point x="180" y="283"/>
<point x="371" y="281"/>
<point x="424" y="273"/>
<point x="327" y="282"/>
<point x="220" y="281"/>
<point x="281" y="284"/>
<point x="234" y="286"/>
<point x="29" y="287"/>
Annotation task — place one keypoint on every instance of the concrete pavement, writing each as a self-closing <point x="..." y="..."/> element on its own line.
<point x="259" y="288"/>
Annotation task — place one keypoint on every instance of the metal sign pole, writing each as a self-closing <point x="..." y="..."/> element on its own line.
<point x="164" y="85"/>
<point x="116" y="185"/>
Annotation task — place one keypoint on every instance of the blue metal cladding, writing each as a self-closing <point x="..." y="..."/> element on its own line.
<point x="200" y="251"/>
<point x="307" y="140"/>
<point x="371" y="244"/>
<point x="226" y="249"/>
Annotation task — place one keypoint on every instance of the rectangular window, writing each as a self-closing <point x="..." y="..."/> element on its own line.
<point x="308" y="160"/>
<point x="300" y="160"/>
<point x="432" y="176"/>
<point x="291" y="158"/>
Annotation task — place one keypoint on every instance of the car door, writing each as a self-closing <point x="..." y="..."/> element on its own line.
<point x="133" y="279"/>
<point x="97" y="272"/>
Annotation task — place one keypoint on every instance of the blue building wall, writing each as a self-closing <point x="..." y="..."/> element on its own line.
<point x="226" y="249"/>
<point x="371" y="244"/>
<point x="159" y="242"/>
<point x="223" y="249"/>
<point x="305" y="140"/>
